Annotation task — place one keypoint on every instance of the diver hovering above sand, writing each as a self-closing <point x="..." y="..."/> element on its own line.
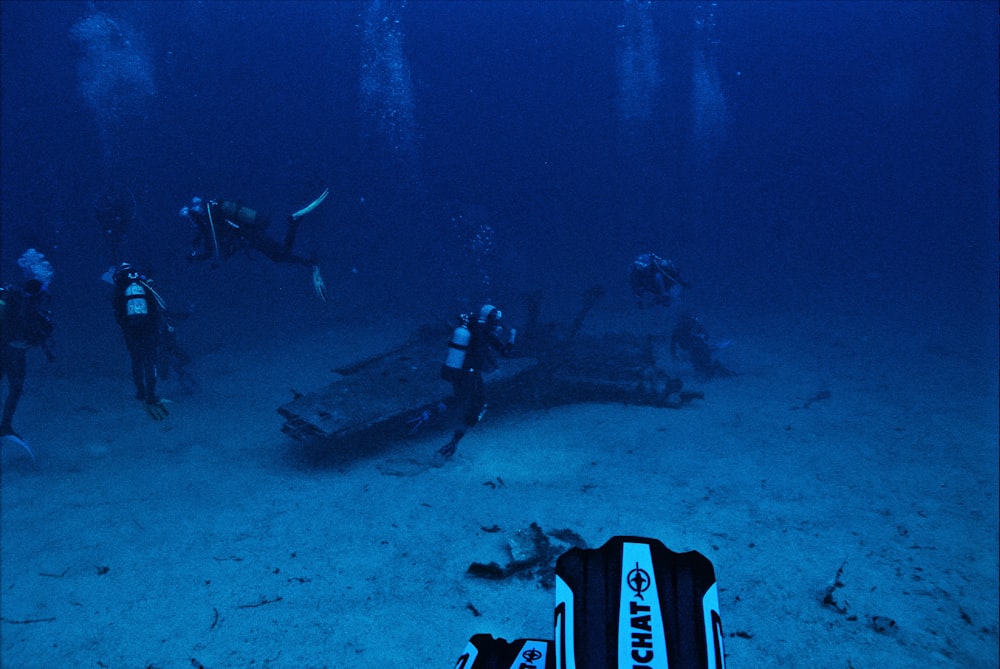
<point x="225" y="227"/>
<point x="690" y="337"/>
<point x="651" y="276"/>
<point x="470" y="355"/>
<point x="139" y="313"/>
<point x="475" y="341"/>
<point x="24" y="324"/>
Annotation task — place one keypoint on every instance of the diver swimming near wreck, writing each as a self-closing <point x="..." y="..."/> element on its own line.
<point x="225" y="227"/>
<point x="690" y="338"/>
<point x="655" y="280"/>
<point x="471" y="349"/>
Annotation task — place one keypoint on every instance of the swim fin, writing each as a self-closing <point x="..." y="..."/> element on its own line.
<point x="319" y="286"/>
<point x="485" y="652"/>
<point x="157" y="410"/>
<point x="312" y="205"/>
<point x="634" y="602"/>
<point x="14" y="439"/>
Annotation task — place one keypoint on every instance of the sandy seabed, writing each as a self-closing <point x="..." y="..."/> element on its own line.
<point x="212" y="539"/>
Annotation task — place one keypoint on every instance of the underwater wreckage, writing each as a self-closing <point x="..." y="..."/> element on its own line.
<point x="551" y="369"/>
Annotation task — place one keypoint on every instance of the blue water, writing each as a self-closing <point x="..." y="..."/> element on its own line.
<point x="475" y="150"/>
<point x="781" y="154"/>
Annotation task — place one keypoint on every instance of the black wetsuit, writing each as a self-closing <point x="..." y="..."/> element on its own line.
<point x="468" y="385"/>
<point x="649" y="274"/>
<point x="233" y="227"/>
<point x="139" y="315"/>
<point x="690" y="336"/>
<point x="25" y="323"/>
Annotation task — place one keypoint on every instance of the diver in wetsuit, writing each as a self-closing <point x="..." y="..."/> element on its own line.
<point x="690" y="337"/>
<point x="223" y="228"/>
<point x="139" y="312"/>
<point x="471" y="354"/>
<point x="24" y="323"/>
<point x="651" y="276"/>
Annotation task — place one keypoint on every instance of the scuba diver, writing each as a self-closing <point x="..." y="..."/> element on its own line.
<point x="115" y="210"/>
<point x="223" y="228"/>
<point x="691" y="337"/>
<point x="139" y="313"/>
<point x="470" y="355"/>
<point x="651" y="275"/>
<point x="25" y="322"/>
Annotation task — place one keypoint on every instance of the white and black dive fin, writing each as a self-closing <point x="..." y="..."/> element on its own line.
<point x="631" y="604"/>
<point x="636" y="603"/>
<point x="485" y="652"/>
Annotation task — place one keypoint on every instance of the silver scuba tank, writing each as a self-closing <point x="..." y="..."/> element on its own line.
<point x="458" y="346"/>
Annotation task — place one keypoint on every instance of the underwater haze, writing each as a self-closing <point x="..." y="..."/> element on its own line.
<point x="822" y="171"/>
<point x="475" y="149"/>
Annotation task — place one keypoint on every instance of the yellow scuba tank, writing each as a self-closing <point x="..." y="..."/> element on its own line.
<point x="458" y="346"/>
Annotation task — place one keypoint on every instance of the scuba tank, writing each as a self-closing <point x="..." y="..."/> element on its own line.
<point x="136" y="303"/>
<point x="241" y="216"/>
<point x="458" y="345"/>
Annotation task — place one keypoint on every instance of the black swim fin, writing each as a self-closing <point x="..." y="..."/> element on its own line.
<point x="157" y="410"/>
<point x="635" y="603"/>
<point x="485" y="652"/>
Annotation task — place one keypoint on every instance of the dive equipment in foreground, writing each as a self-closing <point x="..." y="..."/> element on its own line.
<point x="485" y="652"/>
<point x="631" y="604"/>
<point x="635" y="602"/>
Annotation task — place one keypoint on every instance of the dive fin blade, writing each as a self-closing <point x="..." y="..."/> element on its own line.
<point x="312" y="205"/>
<point x="663" y="604"/>
<point x="156" y="410"/>
<point x="14" y="439"/>
<point x="485" y="652"/>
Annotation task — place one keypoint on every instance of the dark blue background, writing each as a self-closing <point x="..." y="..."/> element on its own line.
<point x="860" y="153"/>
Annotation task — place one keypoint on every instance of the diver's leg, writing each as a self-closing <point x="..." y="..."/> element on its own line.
<point x="701" y="358"/>
<point x="286" y="247"/>
<point x="135" y="355"/>
<point x="448" y="449"/>
<point x="280" y="252"/>
<point x="269" y="247"/>
<point x="15" y="367"/>
<point x="290" y="232"/>
<point x="469" y="396"/>
<point x="476" y="403"/>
